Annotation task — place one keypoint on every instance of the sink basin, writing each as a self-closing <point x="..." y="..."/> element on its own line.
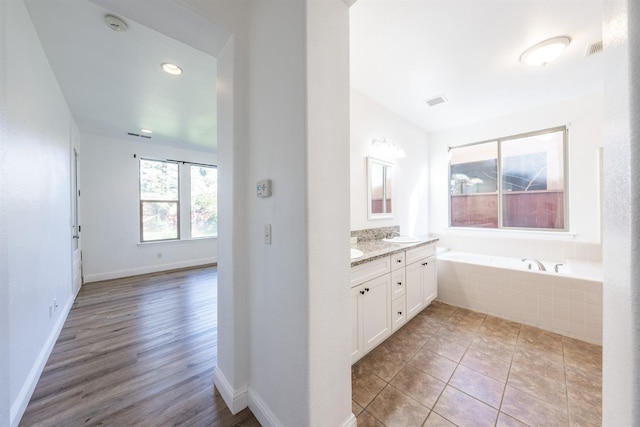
<point x="402" y="239"/>
<point x="356" y="253"/>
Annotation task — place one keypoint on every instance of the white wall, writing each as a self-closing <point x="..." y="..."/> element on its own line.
<point x="369" y="120"/>
<point x="584" y="119"/>
<point x="37" y="192"/>
<point x="5" y="404"/>
<point x="621" y="360"/>
<point x="284" y="306"/>
<point x="110" y="211"/>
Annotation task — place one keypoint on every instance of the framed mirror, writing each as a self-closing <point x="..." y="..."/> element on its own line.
<point x="379" y="188"/>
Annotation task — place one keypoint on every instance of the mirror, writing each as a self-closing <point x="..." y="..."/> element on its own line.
<point x="380" y="179"/>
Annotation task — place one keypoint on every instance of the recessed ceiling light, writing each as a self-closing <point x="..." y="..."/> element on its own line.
<point x="146" y="131"/>
<point x="171" y="68"/>
<point x="546" y="51"/>
<point x="440" y="99"/>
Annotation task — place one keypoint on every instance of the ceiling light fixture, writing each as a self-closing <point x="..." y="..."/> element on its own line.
<point x="546" y="51"/>
<point x="146" y="131"/>
<point x="171" y="68"/>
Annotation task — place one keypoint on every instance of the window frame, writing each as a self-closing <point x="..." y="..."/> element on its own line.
<point x="184" y="186"/>
<point x="201" y="165"/>
<point x="499" y="179"/>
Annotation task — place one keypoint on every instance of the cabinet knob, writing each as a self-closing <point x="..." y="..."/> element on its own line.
<point x="366" y="289"/>
<point x="425" y="264"/>
<point x="400" y="313"/>
<point x="362" y="292"/>
<point x="399" y="283"/>
<point x="399" y="261"/>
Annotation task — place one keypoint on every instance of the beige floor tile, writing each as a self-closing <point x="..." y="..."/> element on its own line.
<point x="490" y="366"/>
<point x="550" y="390"/>
<point x="365" y="419"/>
<point x="355" y="408"/>
<point x="505" y="420"/>
<point x="419" y="385"/>
<point x="394" y="408"/>
<point x="532" y="411"/>
<point x="582" y="355"/>
<point x="493" y="347"/>
<point x="402" y="346"/>
<point x="433" y="364"/>
<point x="435" y="420"/>
<point x="457" y="334"/>
<point x="365" y="385"/>
<point x="382" y="363"/>
<point x="480" y="386"/>
<point x="463" y="410"/>
<point x="446" y="348"/>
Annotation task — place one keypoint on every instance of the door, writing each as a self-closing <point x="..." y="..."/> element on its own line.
<point x="76" y="247"/>
<point x="413" y="289"/>
<point x="376" y="311"/>
<point x="430" y="280"/>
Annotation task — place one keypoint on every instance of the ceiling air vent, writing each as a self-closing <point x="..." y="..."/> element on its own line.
<point x="138" y="135"/>
<point x="594" y="48"/>
<point x="440" y="99"/>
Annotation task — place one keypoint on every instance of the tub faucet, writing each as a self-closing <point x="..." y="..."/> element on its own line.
<point x="538" y="263"/>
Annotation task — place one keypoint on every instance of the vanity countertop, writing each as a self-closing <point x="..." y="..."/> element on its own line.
<point x="375" y="249"/>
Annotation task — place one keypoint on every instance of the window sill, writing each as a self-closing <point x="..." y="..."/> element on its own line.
<point x="169" y="242"/>
<point x="497" y="232"/>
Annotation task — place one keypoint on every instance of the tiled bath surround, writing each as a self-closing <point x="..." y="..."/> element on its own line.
<point x="565" y="305"/>
<point x="544" y="249"/>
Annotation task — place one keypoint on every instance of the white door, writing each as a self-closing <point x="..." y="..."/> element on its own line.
<point x="376" y="311"/>
<point x="76" y="248"/>
<point x="413" y="289"/>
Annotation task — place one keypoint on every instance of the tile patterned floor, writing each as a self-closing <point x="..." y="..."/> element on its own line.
<point x="450" y="366"/>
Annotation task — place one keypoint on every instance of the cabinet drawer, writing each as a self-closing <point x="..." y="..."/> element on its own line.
<point x="370" y="270"/>
<point x="397" y="261"/>
<point x="416" y="254"/>
<point x="397" y="284"/>
<point x="398" y="313"/>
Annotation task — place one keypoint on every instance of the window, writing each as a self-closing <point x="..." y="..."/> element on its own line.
<point x="204" y="201"/>
<point x="515" y="182"/>
<point x="171" y="191"/>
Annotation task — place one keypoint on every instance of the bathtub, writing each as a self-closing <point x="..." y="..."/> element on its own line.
<point x="568" y="302"/>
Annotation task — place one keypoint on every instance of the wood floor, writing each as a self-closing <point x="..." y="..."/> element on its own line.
<point x="137" y="351"/>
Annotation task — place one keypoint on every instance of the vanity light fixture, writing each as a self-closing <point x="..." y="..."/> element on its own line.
<point x="546" y="51"/>
<point x="388" y="149"/>
<point x="171" y="68"/>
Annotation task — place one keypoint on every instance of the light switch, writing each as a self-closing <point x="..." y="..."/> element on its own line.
<point x="263" y="188"/>
<point x="267" y="234"/>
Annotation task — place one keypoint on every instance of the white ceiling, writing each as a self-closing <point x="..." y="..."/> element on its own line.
<point x="404" y="52"/>
<point x="113" y="81"/>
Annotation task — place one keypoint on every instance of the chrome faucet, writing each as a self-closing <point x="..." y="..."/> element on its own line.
<point x="538" y="263"/>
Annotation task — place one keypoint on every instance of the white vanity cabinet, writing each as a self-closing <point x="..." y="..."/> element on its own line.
<point x="370" y="306"/>
<point x="421" y="280"/>
<point x="387" y="292"/>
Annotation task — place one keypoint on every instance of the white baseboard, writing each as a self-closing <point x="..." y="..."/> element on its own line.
<point x="236" y="400"/>
<point x="97" y="277"/>
<point x="22" y="400"/>
<point x="261" y="411"/>
<point x="351" y="422"/>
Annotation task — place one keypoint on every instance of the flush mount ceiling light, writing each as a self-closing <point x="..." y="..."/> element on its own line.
<point x="146" y="131"/>
<point x="546" y="51"/>
<point x="171" y="68"/>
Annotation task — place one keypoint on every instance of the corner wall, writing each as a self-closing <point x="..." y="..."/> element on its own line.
<point x="621" y="360"/>
<point x="369" y="120"/>
<point x="37" y="193"/>
<point x="110" y="209"/>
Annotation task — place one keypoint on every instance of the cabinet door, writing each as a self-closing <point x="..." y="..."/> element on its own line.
<point x="376" y="311"/>
<point x="356" y="325"/>
<point x="430" y="280"/>
<point x="414" y="289"/>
